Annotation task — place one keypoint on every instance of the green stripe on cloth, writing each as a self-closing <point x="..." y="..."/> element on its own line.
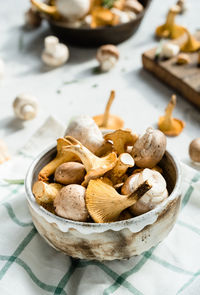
<point x="63" y="282"/>
<point x="126" y="274"/>
<point x="189" y="226"/>
<point x="33" y="277"/>
<point x="189" y="191"/>
<point x="189" y="282"/>
<point x="18" y="251"/>
<point x="10" y="194"/>
<point x="13" y="216"/>
<point x="170" y="266"/>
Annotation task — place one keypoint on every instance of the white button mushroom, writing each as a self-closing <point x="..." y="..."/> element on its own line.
<point x="25" y="107"/>
<point x="54" y="54"/>
<point x="123" y="16"/>
<point x="157" y="194"/>
<point x="2" y="68"/>
<point x="84" y="129"/>
<point x="73" y="9"/>
<point x="70" y="203"/>
<point x="194" y="150"/>
<point x="149" y="148"/>
<point x="107" y="55"/>
<point x="169" y="50"/>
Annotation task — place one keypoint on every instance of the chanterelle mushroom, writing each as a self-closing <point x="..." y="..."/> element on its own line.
<point x="84" y="129"/>
<point x="107" y="55"/>
<point x="70" y="203"/>
<point x="70" y="9"/>
<point x="105" y="204"/>
<point x="25" y="106"/>
<point x="94" y="165"/>
<point x="194" y="150"/>
<point x="54" y="54"/>
<point x="170" y="29"/>
<point x="44" y="192"/>
<point x="106" y="120"/>
<point x="149" y="148"/>
<point x="191" y="45"/>
<point x="102" y="16"/>
<point x="150" y="199"/>
<point x="169" y="125"/>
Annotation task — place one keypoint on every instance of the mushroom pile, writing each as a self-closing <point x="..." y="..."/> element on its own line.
<point x="103" y="178"/>
<point x="89" y="13"/>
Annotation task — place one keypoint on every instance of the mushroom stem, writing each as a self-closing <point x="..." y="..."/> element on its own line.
<point x="46" y="193"/>
<point x="104" y="204"/>
<point x="42" y="7"/>
<point x="107" y="109"/>
<point x="94" y="165"/>
<point x="169" y="109"/>
<point x="117" y="174"/>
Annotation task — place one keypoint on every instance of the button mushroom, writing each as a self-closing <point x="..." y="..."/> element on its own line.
<point x="69" y="173"/>
<point x="133" y="5"/>
<point x="169" y="125"/>
<point x="170" y="29"/>
<point x="54" y="54"/>
<point x="157" y="194"/>
<point x="169" y="50"/>
<point x="70" y="203"/>
<point x="25" y="106"/>
<point x="149" y="148"/>
<point x="84" y="129"/>
<point x="94" y="165"/>
<point x="183" y="59"/>
<point x="107" y="56"/>
<point x="70" y="9"/>
<point x="194" y="150"/>
<point x="106" y="120"/>
<point x="124" y="16"/>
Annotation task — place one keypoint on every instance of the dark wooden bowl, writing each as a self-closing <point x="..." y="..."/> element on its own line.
<point x="95" y="37"/>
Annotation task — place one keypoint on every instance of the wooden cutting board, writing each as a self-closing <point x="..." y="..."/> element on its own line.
<point x="185" y="79"/>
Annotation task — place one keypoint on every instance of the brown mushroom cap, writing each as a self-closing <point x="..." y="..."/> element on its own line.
<point x="194" y="150"/>
<point x="70" y="203"/>
<point x="69" y="173"/>
<point x="108" y="49"/>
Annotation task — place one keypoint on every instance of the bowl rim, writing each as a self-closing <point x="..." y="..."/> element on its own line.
<point x="104" y="226"/>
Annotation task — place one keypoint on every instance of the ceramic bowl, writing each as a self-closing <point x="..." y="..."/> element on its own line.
<point x="106" y="241"/>
<point x="95" y="37"/>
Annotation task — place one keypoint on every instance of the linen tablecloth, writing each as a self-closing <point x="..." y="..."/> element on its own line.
<point x="28" y="265"/>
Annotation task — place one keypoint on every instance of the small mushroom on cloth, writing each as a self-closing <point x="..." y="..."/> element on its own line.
<point x="94" y="165"/>
<point x="167" y="124"/>
<point x="194" y="150"/>
<point x="105" y="204"/>
<point x="70" y="203"/>
<point x="191" y="45"/>
<point x="4" y="155"/>
<point x="107" y="56"/>
<point x="157" y="194"/>
<point x="170" y="29"/>
<point x="121" y="140"/>
<point x="44" y="192"/>
<point x="55" y="53"/>
<point x="25" y="106"/>
<point x="149" y="149"/>
<point x="61" y="157"/>
<point x="107" y="120"/>
<point x="69" y="173"/>
<point x="84" y="129"/>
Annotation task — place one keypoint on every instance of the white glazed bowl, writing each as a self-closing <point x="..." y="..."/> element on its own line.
<point x="106" y="241"/>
